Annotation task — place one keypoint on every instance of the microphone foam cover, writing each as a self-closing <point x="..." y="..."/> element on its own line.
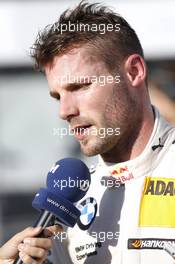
<point x="70" y="178"/>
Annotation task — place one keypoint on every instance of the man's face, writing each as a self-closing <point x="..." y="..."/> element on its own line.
<point x="92" y="101"/>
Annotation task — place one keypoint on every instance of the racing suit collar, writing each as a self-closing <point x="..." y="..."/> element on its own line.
<point x="147" y="160"/>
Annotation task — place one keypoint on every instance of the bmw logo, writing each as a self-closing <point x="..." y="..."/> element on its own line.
<point x="88" y="209"/>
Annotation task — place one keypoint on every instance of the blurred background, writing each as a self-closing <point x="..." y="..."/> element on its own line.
<point x="28" y="146"/>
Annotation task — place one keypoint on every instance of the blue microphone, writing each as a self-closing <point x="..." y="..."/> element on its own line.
<point x="67" y="182"/>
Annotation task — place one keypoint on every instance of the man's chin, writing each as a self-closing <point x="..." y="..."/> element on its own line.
<point x="89" y="152"/>
<point x="96" y="146"/>
<point x="89" y="149"/>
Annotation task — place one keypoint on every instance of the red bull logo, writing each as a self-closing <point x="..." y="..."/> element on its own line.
<point x="119" y="170"/>
<point x="122" y="174"/>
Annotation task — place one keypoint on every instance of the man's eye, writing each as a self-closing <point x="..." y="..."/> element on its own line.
<point x="79" y="86"/>
<point x="82" y="86"/>
<point x="57" y="98"/>
<point x="86" y="85"/>
<point x="55" y="95"/>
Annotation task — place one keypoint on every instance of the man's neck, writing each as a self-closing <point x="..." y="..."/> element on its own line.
<point x="132" y="145"/>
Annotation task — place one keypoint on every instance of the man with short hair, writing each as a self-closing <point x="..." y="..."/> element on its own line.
<point x="128" y="214"/>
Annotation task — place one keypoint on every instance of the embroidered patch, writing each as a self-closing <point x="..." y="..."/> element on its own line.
<point x="157" y="207"/>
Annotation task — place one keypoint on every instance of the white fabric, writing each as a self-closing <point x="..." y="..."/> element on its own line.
<point x="119" y="209"/>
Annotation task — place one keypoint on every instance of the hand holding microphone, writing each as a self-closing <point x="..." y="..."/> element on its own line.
<point x="32" y="247"/>
<point x="67" y="182"/>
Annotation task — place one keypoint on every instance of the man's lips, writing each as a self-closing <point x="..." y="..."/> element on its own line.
<point x="80" y="128"/>
<point x="80" y="131"/>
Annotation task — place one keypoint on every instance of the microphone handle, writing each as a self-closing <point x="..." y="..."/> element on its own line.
<point x="44" y="220"/>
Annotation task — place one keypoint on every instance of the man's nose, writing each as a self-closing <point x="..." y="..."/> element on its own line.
<point x="68" y="107"/>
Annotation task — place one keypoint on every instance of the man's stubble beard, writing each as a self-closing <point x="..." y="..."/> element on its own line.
<point x="130" y="121"/>
<point x="121" y="112"/>
<point x="95" y="145"/>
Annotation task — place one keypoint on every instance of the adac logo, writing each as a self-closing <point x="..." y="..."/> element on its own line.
<point x="158" y="202"/>
<point x="88" y="209"/>
<point x="160" y="187"/>
<point x="122" y="173"/>
<point x="137" y="243"/>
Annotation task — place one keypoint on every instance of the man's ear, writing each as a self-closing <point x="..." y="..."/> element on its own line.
<point x="135" y="69"/>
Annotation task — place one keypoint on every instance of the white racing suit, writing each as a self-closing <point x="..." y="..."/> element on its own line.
<point x="127" y="217"/>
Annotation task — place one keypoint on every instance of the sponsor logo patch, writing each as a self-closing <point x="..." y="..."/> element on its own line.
<point x="148" y="243"/>
<point x="158" y="203"/>
<point x="88" y="209"/>
<point x="121" y="174"/>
